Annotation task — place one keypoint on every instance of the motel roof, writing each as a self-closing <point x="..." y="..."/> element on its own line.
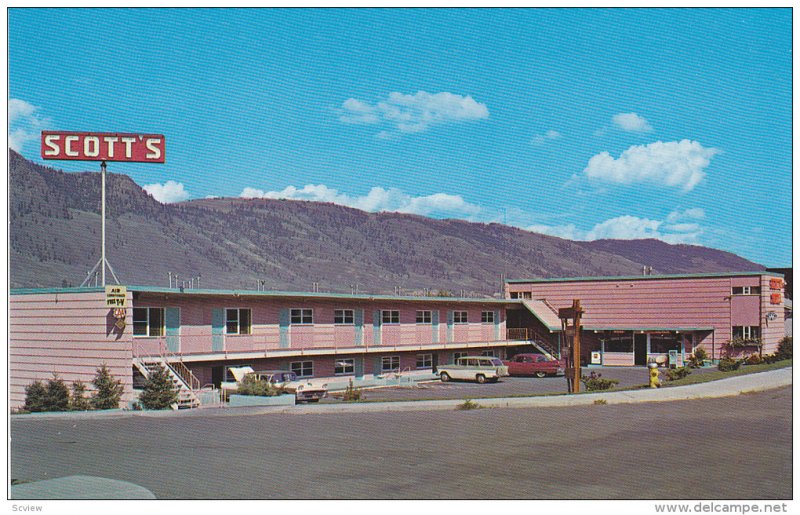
<point x="271" y="294"/>
<point x="641" y="277"/>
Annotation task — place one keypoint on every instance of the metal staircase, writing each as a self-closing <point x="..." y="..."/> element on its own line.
<point x="183" y="378"/>
<point x="541" y="343"/>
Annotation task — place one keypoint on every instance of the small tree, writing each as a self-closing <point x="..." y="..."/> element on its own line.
<point x="108" y="390"/>
<point x="79" y="402"/>
<point x="35" y="395"/>
<point x="57" y="395"/>
<point x="785" y="348"/>
<point x="159" y="390"/>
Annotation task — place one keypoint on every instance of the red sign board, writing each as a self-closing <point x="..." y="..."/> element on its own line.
<point x="103" y="146"/>
<point x="775" y="298"/>
<point x="775" y="284"/>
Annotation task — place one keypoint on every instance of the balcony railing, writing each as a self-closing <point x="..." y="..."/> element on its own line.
<point x="518" y="333"/>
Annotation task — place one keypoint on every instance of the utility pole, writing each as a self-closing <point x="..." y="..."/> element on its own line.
<point x="573" y="372"/>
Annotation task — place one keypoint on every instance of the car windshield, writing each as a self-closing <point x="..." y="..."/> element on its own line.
<point x="496" y="361"/>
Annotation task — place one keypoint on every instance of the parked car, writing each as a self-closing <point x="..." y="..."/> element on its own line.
<point x="474" y="368"/>
<point x="304" y="391"/>
<point x="537" y="365"/>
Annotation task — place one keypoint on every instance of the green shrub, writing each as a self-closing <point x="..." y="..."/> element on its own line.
<point x="728" y="364"/>
<point x="595" y="382"/>
<point x="79" y="402"/>
<point x="57" y="396"/>
<point x="468" y="405"/>
<point x="753" y="359"/>
<point x="673" y="374"/>
<point x="784" y="348"/>
<point x="35" y="397"/>
<point x="769" y="358"/>
<point x="108" y="390"/>
<point x="352" y="394"/>
<point x="696" y="360"/>
<point x="159" y="391"/>
<point x="252" y="385"/>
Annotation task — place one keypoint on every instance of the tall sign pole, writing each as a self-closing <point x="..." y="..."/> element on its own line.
<point x="103" y="216"/>
<point x="573" y="372"/>
<point x="103" y="146"/>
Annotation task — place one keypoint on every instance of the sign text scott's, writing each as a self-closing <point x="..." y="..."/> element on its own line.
<point x="103" y="146"/>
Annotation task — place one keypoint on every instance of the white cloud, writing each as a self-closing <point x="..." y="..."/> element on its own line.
<point x="695" y="213"/>
<point x="24" y="123"/>
<point x="631" y="122"/>
<point x="378" y="199"/>
<point x="413" y="113"/>
<point x="674" y="164"/>
<point x="629" y="227"/>
<point x="168" y="192"/>
<point x="541" y="139"/>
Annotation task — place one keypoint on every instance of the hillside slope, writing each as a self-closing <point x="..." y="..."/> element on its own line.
<point x="232" y="243"/>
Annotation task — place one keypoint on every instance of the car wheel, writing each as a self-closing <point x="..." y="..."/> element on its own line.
<point x="540" y="374"/>
<point x="495" y="379"/>
<point x="444" y="377"/>
<point x="480" y="378"/>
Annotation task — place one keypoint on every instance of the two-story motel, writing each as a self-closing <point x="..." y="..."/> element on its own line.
<point x="200" y="332"/>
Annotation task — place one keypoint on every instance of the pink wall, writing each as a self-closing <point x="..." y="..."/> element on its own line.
<point x="666" y="303"/>
<point x="66" y="333"/>
<point x="196" y="311"/>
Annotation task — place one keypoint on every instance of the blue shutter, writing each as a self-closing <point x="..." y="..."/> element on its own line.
<point x="376" y="328"/>
<point x="435" y="326"/>
<point x="358" y="320"/>
<point x="497" y="326"/>
<point x="450" y="326"/>
<point x="173" y="323"/>
<point x="377" y="364"/>
<point x="284" y="328"/>
<point x="359" y="366"/>
<point x="217" y="330"/>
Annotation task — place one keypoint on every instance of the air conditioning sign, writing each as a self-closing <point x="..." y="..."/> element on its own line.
<point x="103" y="146"/>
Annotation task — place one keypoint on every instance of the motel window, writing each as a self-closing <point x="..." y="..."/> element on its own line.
<point x="514" y="295"/>
<point x="390" y="317"/>
<point x="747" y="332"/>
<point x="302" y="316"/>
<point x="746" y="290"/>
<point x="487" y="317"/>
<point x="343" y="316"/>
<point x="663" y="343"/>
<point x="457" y="355"/>
<point x="344" y="366"/>
<point x="424" y="360"/>
<point x="526" y="295"/>
<point x="148" y="321"/>
<point x="237" y="321"/>
<point x="459" y="317"/>
<point x="619" y="343"/>
<point x="302" y="368"/>
<point x="424" y="317"/>
<point x="489" y="353"/>
<point x="390" y="363"/>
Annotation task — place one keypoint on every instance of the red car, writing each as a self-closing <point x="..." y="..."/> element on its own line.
<point x="537" y="365"/>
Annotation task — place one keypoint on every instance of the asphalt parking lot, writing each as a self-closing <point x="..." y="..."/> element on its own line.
<point x="507" y="386"/>
<point x="729" y="448"/>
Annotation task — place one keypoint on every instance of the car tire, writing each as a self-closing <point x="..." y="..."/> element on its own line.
<point x="445" y="377"/>
<point x="495" y="379"/>
<point x="480" y="378"/>
<point x="540" y="374"/>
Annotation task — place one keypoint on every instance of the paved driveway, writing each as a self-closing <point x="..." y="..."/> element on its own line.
<point x="730" y="448"/>
<point x="507" y="386"/>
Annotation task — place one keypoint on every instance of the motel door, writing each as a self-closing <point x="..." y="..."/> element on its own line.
<point x="640" y="349"/>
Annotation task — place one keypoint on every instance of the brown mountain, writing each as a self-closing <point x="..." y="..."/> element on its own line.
<point x="233" y="243"/>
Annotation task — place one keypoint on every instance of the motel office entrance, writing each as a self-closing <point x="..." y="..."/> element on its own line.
<point x="640" y="349"/>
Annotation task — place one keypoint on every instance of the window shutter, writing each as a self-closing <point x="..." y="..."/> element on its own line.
<point x="435" y="325"/>
<point x="283" y="323"/>
<point x="376" y="328"/>
<point x="358" y="322"/>
<point x="217" y="330"/>
<point x="173" y="325"/>
<point x="450" y="326"/>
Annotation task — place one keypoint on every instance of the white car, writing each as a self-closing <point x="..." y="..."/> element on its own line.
<point x="304" y="391"/>
<point x="474" y="368"/>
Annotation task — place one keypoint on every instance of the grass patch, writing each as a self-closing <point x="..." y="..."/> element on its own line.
<point x="600" y="402"/>
<point x="716" y="374"/>
<point x="468" y="405"/>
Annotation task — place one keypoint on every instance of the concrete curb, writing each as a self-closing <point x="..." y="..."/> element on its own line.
<point x="728" y="387"/>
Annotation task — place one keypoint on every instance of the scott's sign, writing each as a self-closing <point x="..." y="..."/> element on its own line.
<point x="103" y="146"/>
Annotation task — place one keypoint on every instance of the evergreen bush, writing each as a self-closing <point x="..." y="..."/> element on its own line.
<point x="108" y="390"/>
<point x="57" y="395"/>
<point x="35" y="395"/>
<point x="728" y="364"/>
<point x="79" y="402"/>
<point x="595" y="382"/>
<point x="159" y="390"/>
<point x="252" y="385"/>
<point x="784" y="348"/>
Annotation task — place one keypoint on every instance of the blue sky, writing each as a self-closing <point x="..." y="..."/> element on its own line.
<point x="582" y="123"/>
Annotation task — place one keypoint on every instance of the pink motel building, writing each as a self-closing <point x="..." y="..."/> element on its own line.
<point x="633" y="320"/>
<point x="202" y="332"/>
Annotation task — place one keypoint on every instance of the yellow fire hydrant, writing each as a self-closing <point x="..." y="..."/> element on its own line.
<point x="655" y="382"/>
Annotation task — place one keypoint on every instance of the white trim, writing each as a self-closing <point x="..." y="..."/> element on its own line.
<point x="238" y="322"/>
<point x="352" y="315"/>
<point x="301" y="317"/>
<point x="163" y="322"/>
<point x="301" y="367"/>
<point x="377" y="349"/>
<point x="390" y="311"/>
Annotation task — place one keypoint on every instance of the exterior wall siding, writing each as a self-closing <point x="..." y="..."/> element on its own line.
<point x="69" y="334"/>
<point x="697" y="302"/>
